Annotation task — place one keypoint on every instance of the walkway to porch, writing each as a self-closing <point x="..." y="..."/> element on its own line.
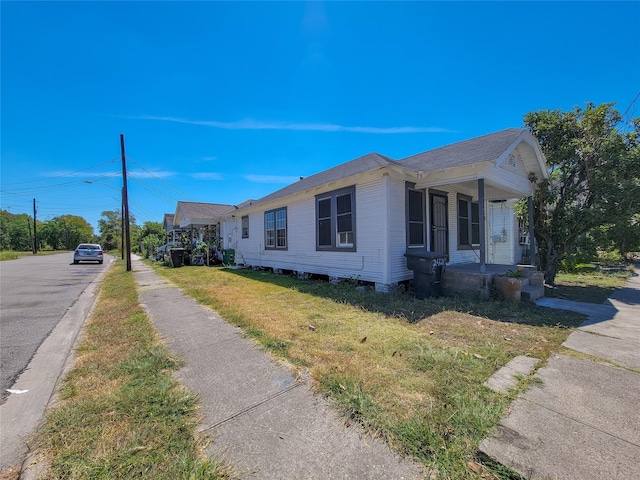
<point x="467" y="279"/>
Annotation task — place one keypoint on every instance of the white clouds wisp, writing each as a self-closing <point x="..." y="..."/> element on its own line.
<point x="207" y="176"/>
<point x="249" y="124"/>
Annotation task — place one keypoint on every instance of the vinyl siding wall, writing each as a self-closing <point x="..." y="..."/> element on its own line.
<point x="366" y="263"/>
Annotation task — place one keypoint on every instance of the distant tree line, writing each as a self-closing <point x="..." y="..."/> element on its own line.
<point x="65" y="232"/>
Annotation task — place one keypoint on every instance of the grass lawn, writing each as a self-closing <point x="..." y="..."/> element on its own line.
<point x="11" y="255"/>
<point x="120" y="412"/>
<point x="588" y="283"/>
<point x="409" y="371"/>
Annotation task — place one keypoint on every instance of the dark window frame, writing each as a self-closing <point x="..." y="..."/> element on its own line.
<point x="279" y="233"/>
<point x="468" y="222"/>
<point x="245" y="226"/>
<point x="328" y="225"/>
<point x="410" y="189"/>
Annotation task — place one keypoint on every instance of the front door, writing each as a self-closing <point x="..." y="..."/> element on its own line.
<point x="439" y="225"/>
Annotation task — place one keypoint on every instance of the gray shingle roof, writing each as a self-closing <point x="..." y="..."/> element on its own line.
<point x="204" y="210"/>
<point x="359" y="165"/>
<point x="480" y="149"/>
<point x="168" y="219"/>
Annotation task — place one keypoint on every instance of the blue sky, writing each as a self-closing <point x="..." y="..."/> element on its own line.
<point x="225" y="101"/>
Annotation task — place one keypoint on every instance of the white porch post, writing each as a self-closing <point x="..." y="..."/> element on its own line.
<point x="532" y="238"/>
<point x="482" y="226"/>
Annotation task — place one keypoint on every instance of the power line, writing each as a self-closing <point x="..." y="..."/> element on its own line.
<point x="184" y="195"/>
<point x="629" y="108"/>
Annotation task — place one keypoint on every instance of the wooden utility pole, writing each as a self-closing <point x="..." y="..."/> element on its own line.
<point x="122" y="226"/>
<point x="125" y="205"/>
<point x="35" y="235"/>
<point x="33" y="245"/>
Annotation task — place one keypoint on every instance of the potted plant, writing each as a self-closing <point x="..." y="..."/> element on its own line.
<point x="509" y="285"/>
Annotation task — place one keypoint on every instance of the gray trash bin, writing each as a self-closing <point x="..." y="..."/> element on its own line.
<point x="427" y="272"/>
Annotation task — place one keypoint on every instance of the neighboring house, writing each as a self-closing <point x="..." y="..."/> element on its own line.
<point x="173" y="232"/>
<point x="202" y="222"/>
<point x="358" y="219"/>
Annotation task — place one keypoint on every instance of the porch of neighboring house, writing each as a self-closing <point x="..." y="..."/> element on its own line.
<point x="470" y="279"/>
<point x="202" y="243"/>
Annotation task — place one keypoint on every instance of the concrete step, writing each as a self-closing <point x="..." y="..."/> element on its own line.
<point x="525" y="282"/>
<point x="532" y="292"/>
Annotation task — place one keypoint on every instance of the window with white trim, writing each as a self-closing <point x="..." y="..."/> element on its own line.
<point x="335" y="220"/>
<point x="468" y="223"/>
<point x="275" y="229"/>
<point x="245" y="226"/>
<point x="415" y="217"/>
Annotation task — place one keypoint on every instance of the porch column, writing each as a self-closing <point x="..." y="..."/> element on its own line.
<point x="482" y="229"/>
<point x="532" y="238"/>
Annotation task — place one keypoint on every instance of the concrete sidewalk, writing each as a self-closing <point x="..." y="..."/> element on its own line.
<point x="583" y="421"/>
<point x="264" y="422"/>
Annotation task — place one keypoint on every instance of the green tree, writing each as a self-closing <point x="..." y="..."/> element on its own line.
<point x="594" y="172"/>
<point x="73" y="230"/>
<point x="150" y="236"/>
<point x="110" y="227"/>
<point x="14" y="231"/>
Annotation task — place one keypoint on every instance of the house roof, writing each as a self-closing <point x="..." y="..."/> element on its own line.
<point x="362" y="164"/>
<point x="203" y="210"/>
<point x="485" y="148"/>
<point x="475" y="150"/>
<point x="168" y="219"/>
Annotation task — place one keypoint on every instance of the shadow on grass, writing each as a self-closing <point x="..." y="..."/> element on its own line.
<point x="399" y="304"/>
<point x="580" y="293"/>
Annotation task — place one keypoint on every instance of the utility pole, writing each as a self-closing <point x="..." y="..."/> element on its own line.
<point x="122" y="225"/>
<point x="33" y="247"/>
<point x="35" y="235"/>
<point x="125" y="205"/>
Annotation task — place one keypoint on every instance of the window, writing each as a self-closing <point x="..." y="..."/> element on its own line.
<point x="415" y="217"/>
<point x="468" y="222"/>
<point x="275" y="229"/>
<point x="245" y="226"/>
<point x="335" y="220"/>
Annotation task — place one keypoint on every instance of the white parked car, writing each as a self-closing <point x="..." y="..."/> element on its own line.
<point x="88" y="252"/>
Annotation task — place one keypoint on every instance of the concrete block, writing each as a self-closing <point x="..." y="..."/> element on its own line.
<point x="532" y="292"/>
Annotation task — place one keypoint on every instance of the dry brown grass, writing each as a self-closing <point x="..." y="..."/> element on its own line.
<point x="120" y="413"/>
<point x="418" y="383"/>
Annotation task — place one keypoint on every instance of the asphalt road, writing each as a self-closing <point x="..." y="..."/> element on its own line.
<point x="35" y="293"/>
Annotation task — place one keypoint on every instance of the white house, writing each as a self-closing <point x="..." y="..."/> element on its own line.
<point x="358" y="219"/>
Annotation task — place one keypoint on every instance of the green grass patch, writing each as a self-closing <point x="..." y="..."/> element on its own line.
<point x="121" y="414"/>
<point x="409" y="371"/>
<point x="589" y="283"/>
<point x="11" y="255"/>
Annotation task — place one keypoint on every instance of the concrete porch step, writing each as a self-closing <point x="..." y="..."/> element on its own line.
<point x="532" y="292"/>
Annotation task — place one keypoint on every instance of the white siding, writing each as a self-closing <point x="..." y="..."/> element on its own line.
<point x="398" y="232"/>
<point x="502" y="251"/>
<point x="366" y="263"/>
